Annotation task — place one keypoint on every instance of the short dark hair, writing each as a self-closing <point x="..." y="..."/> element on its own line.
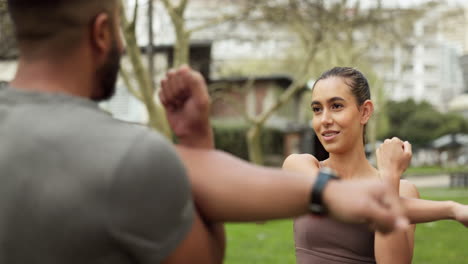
<point x="60" y="20"/>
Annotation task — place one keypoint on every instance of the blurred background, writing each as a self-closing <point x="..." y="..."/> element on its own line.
<point x="260" y="59"/>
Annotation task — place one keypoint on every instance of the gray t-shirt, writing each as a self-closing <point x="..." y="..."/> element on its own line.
<point x="77" y="186"/>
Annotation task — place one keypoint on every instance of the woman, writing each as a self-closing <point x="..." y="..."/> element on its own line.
<point x="342" y="107"/>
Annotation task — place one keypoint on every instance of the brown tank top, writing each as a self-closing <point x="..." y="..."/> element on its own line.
<point x="326" y="241"/>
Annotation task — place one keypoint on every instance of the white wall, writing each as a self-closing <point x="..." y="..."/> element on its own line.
<point x="7" y="70"/>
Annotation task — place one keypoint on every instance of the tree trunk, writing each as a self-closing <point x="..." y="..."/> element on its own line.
<point x="254" y="144"/>
<point x="182" y="45"/>
<point x="156" y="115"/>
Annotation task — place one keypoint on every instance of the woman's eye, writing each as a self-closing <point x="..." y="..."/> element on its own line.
<point x="316" y="109"/>
<point x="337" y="106"/>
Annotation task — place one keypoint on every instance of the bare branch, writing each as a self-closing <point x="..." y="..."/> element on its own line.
<point x="292" y="89"/>
<point x="129" y="84"/>
<point x="135" y="15"/>
<point x="167" y="5"/>
<point x="214" y="22"/>
<point x="128" y="28"/>
<point x="142" y="78"/>
<point x="182" y="6"/>
<point x="172" y="10"/>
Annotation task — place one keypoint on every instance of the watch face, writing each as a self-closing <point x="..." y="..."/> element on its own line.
<point x="317" y="209"/>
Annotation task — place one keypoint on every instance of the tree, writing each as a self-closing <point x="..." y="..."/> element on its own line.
<point x="398" y="113"/>
<point x="420" y="123"/>
<point x="7" y="40"/>
<point x="422" y="126"/>
<point x="452" y="124"/>
<point x="137" y="78"/>
<point x="326" y="34"/>
<point x="141" y="85"/>
<point x="184" y="33"/>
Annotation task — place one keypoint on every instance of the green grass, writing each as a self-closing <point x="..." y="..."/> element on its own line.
<point x="270" y="243"/>
<point x="436" y="243"/>
<point x="429" y="170"/>
<point x="432" y="170"/>
<point x="443" y="241"/>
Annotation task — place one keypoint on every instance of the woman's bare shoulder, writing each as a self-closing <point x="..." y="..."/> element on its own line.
<point x="300" y="160"/>
<point x="408" y="189"/>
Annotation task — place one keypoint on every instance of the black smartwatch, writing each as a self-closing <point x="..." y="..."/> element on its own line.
<point x="316" y="205"/>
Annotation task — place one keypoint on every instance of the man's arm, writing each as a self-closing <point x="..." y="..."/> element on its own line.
<point x="150" y="209"/>
<point x="230" y="189"/>
<point x="199" y="246"/>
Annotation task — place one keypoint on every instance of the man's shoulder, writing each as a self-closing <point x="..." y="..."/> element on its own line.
<point x="71" y="129"/>
<point x="64" y="117"/>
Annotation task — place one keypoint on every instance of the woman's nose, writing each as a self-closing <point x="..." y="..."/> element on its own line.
<point x="326" y="118"/>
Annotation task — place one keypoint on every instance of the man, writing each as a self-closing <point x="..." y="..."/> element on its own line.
<point x="80" y="187"/>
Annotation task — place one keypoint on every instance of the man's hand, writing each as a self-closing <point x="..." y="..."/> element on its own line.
<point x="184" y="94"/>
<point x="393" y="158"/>
<point x="365" y="201"/>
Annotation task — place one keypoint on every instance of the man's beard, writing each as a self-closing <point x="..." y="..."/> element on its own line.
<point x="107" y="75"/>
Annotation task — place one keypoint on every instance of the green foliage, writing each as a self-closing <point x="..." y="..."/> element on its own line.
<point x="231" y="138"/>
<point x="397" y="113"/>
<point x="421" y="123"/>
<point x="453" y="123"/>
<point x="421" y="126"/>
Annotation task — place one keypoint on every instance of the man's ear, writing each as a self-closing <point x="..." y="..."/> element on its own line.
<point x="367" y="109"/>
<point x="101" y="36"/>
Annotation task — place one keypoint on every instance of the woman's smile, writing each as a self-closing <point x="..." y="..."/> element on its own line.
<point x="330" y="135"/>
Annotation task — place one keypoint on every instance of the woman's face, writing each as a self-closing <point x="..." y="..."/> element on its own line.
<point x="337" y="119"/>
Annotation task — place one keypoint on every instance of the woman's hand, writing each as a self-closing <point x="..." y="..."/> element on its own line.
<point x="460" y="213"/>
<point x="393" y="158"/>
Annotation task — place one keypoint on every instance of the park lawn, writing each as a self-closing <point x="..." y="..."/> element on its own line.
<point x="436" y="243"/>
<point x="443" y="241"/>
<point x="433" y="170"/>
<point x="270" y="243"/>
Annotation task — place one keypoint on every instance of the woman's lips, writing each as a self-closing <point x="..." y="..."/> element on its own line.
<point x="330" y="135"/>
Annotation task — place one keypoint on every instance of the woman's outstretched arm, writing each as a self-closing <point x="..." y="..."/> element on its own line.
<point x="423" y="211"/>
<point x="418" y="210"/>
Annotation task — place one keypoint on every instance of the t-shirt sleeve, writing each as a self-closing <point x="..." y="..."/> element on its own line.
<point x="151" y="209"/>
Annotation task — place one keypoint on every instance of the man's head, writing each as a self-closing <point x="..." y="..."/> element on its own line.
<point x="54" y="29"/>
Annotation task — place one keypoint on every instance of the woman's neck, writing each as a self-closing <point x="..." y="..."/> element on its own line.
<point x="351" y="164"/>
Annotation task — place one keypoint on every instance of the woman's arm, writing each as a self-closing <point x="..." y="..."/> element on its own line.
<point x="423" y="211"/>
<point x="397" y="247"/>
<point x="418" y="211"/>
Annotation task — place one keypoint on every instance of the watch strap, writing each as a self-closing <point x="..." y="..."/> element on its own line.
<point x="316" y="205"/>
